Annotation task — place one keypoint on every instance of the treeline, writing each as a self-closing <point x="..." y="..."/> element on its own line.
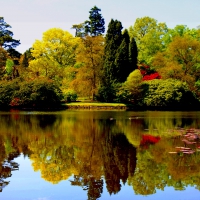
<point x="148" y="65"/>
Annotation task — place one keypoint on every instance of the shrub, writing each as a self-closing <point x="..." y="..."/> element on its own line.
<point x="108" y="93"/>
<point x="169" y="92"/>
<point x="37" y="93"/>
<point x="7" y="90"/>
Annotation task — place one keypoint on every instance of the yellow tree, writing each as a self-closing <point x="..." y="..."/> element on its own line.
<point x="53" y="54"/>
<point x="91" y="58"/>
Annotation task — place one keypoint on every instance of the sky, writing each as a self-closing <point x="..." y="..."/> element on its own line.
<point x="29" y="19"/>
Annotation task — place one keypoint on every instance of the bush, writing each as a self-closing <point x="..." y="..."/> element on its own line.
<point x="34" y="93"/>
<point x="169" y="92"/>
<point x="7" y="90"/>
<point x="108" y="93"/>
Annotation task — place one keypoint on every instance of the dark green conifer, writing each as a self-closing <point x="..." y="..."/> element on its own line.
<point x="95" y="25"/>
<point x="113" y="40"/>
<point x="133" y="54"/>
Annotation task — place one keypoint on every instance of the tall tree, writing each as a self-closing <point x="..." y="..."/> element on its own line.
<point x="148" y="34"/>
<point x="119" y="58"/>
<point x="6" y="36"/>
<point x="95" y="25"/>
<point x="133" y="54"/>
<point x="91" y="58"/>
<point x="113" y="40"/>
<point x="122" y="63"/>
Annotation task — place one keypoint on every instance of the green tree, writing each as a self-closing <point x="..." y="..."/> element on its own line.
<point x="9" y="67"/>
<point x="95" y="25"/>
<point x="113" y="40"/>
<point x="132" y="87"/>
<point x="133" y="54"/>
<point x="122" y="62"/>
<point x="148" y="34"/>
<point x="181" y="31"/>
<point x="6" y="36"/>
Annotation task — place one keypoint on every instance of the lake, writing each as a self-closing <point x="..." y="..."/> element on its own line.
<point x="77" y="155"/>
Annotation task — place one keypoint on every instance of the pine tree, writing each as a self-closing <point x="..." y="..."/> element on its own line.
<point x="95" y="25"/>
<point x="6" y="40"/>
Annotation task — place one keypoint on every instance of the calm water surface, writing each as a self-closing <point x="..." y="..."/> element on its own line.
<point x="99" y="155"/>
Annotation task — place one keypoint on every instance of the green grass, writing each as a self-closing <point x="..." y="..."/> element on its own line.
<point x="95" y="104"/>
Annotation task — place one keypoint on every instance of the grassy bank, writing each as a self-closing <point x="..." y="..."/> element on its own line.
<point x="98" y="106"/>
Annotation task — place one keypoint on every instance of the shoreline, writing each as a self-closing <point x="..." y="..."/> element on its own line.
<point x="99" y="106"/>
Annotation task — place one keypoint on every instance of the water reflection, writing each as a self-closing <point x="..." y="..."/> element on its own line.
<point x="97" y="148"/>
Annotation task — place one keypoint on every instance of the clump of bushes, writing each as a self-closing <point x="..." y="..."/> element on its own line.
<point x="39" y="93"/>
<point x="167" y="93"/>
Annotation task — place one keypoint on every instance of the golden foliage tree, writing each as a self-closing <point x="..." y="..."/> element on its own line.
<point x="55" y="52"/>
<point x="91" y="58"/>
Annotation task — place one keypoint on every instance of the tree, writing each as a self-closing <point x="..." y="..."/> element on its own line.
<point x="95" y="25"/>
<point x="15" y="55"/>
<point x="133" y="54"/>
<point x="122" y="62"/>
<point x="3" y="58"/>
<point x="148" y="34"/>
<point x="92" y="27"/>
<point x="79" y="30"/>
<point x="6" y="40"/>
<point x="181" y="31"/>
<point x="113" y="40"/>
<point x="53" y="54"/>
<point x="131" y="88"/>
<point x="120" y="58"/>
<point x="91" y="58"/>
<point x="9" y="67"/>
<point x="180" y="60"/>
<point x="26" y="58"/>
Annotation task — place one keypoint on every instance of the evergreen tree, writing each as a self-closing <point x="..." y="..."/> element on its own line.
<point x="133" y="54"/>
<point x="6" y="40"/>
<point x="95" y="25"/>
<point x="122" y="59"/>
<point x="113" y="40"/>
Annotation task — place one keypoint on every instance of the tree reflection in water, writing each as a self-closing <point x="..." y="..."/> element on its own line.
<point x="98" y="151"/>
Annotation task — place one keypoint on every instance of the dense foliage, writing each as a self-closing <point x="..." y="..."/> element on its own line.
<point x="139" y="65"/>
<point x="37" y="93"/>
<point x="169" y="92"/>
